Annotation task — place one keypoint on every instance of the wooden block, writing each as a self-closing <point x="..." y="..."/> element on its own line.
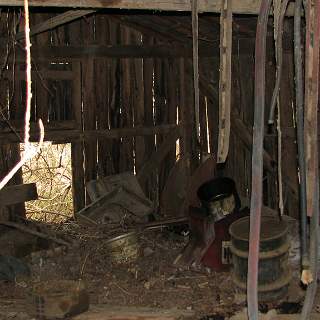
<point x="18" y="193"/>
<point x="105" y="312"/>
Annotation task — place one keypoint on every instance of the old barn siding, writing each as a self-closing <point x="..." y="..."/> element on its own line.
<point x="82" y="98"/>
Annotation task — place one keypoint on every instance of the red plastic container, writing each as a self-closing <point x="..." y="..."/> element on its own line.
<point x="217" y="256"/>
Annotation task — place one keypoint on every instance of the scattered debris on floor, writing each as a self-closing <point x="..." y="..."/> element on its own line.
<point x="112" y="260"/>
<point x="137" y="272"/>
<point x="122" y="261"/>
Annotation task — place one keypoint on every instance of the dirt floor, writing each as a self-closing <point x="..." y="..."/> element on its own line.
<point x="143" y="276"/>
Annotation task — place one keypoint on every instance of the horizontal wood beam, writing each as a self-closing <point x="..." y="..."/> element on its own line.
<point x="129" y="132"/>
<point x="44" y="74"/>
<point x="238" y="7"/>
<point x="65" y="135"/>
<point x="18" y="193"/>
<point x="67" y="53"/>
<point x="118" y="51"/>
<point x="49" y="135"/>
<point x="18" y="126"/>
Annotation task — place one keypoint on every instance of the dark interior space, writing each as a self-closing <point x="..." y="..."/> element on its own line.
<point x="178" y="173"/>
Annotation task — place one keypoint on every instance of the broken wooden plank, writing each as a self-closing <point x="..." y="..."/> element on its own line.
<point x="18" y="193"/>
<point x="55" y="22"/>
<point x="225" y="80"/>
<point x="239" y="7"/>
<point x="104" y="185"/>
<point x="39" y="234"/>
<point x="105" y="312"/>
<point x="115" y="206"/>
<point x="84" y="214"/>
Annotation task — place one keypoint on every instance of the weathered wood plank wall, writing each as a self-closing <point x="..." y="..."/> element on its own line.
<point x="102" y="93"/>
<point x="10" y="105"/>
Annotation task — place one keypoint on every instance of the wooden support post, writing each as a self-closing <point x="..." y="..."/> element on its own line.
<point x="67" y="134"/>
<point x="183" y="115"/>
<point x="89" y="119"/>
<point x="148" y="65"/>
<point x="138" y="106"/>
<point x="311" y="100"/>
<point x="225" y="79"/>
<point x="289" y="147"/>
<point x="77" y="157"/>
<point x="126" y="162"/>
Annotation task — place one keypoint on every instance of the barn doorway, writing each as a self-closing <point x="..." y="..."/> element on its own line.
<point x="51" y="171"/>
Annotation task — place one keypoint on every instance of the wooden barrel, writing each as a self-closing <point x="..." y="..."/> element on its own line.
<point x="273" y="274"/>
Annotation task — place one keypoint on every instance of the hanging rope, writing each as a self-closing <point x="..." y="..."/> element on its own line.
<point x="279" y="17"/>
<point x="29" y="151"/>
<point x="278" y="13"/>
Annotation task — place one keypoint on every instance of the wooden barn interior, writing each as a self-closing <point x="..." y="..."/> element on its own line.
<point x="191" y="133"/>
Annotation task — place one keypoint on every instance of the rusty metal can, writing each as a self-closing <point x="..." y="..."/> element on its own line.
<point x="123" y="248"/>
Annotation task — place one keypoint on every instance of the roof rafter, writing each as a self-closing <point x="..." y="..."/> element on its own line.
<point x="56" y="21"/>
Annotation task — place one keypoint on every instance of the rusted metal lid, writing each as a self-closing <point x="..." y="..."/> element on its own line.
<point x="271" y="228"/>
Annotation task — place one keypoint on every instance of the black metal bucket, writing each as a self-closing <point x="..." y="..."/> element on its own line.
<point x="217" y="189"/>
<point x="273" y="274"/>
